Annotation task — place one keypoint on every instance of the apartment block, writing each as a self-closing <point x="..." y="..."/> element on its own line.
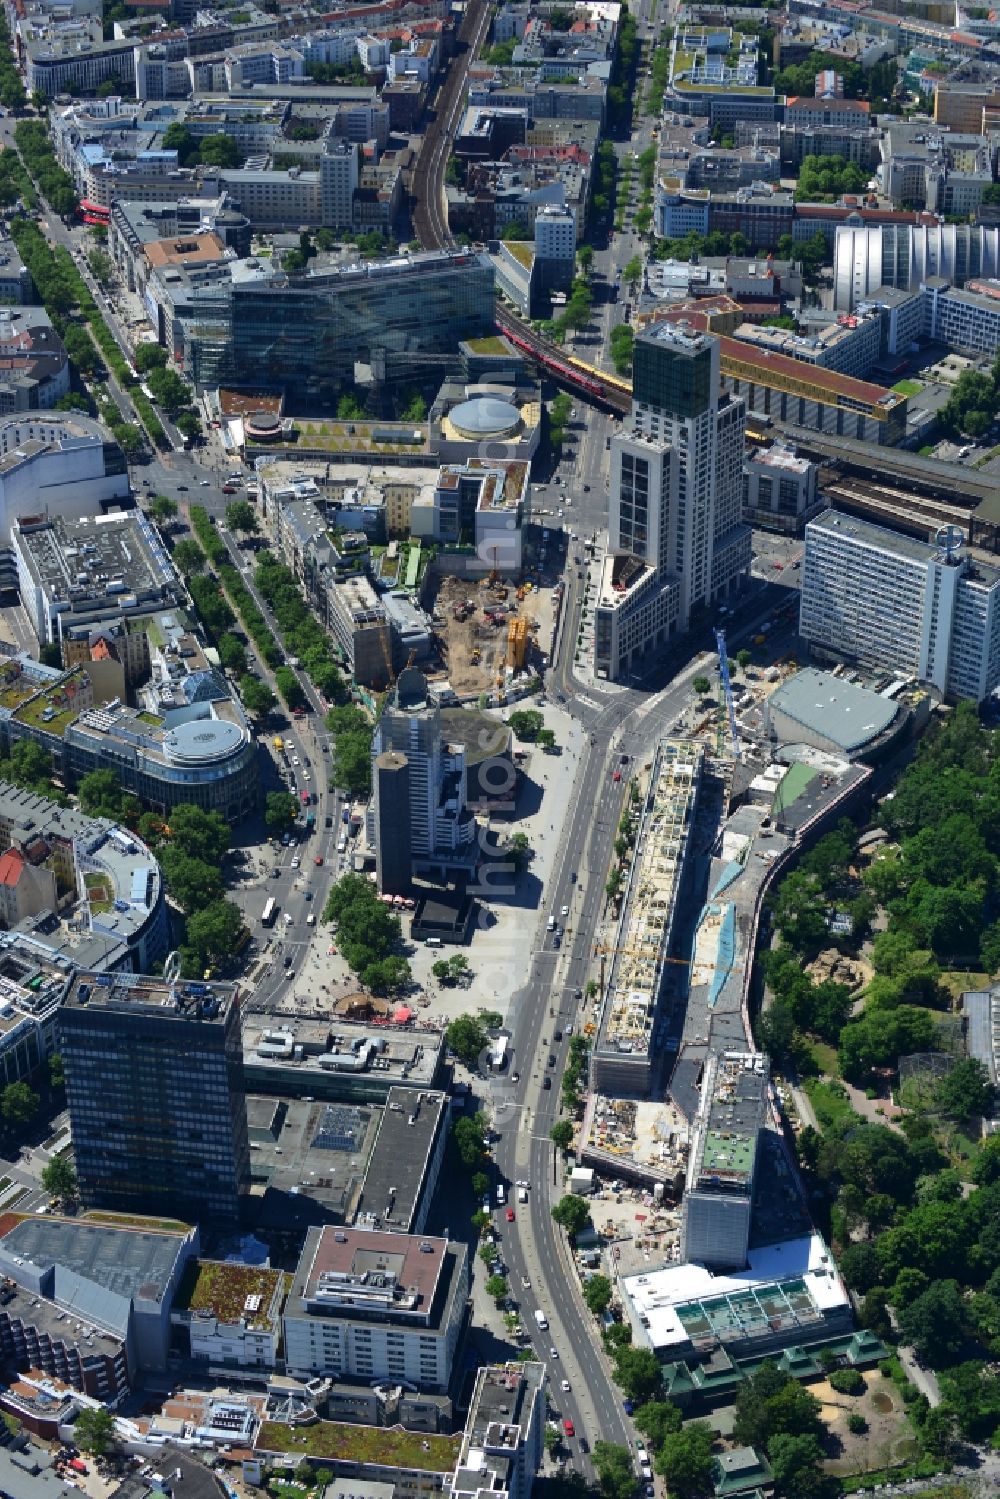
<point x="892" y="603"/>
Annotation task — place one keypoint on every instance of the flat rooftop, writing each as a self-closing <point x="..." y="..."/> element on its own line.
<point x="868" y="533"/>
<point x="645" y="926"/>
<point x="131" y="1262"/>
<point x="770" y="368"/>
<point x="397" y="1169"/>
<point x="501" y="1404"/>
<point x="848" y="715"/>
<point x="332" y="1049"/>
<point x="734" y="1091"/>
<point x="788" y="1285"/>
<point x="109" y="557"/>
<point x="307" y="1159"/>
<point x="379" y="1446"/>
<point x="350" y="1272"/>
<point x="186" y="249"/>
<point x="140" y="994"/>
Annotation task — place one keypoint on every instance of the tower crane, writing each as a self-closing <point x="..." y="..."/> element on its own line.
<point x="727" y="687"/>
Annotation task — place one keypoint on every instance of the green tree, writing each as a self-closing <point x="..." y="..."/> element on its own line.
<point x="280" y="811"/>
<point x="163" y="508"/>
<point x="966" y="1092"/>
<point x="232" y="654"/>
<point x="685" y="1460"/>
<point x="57" y="1077"/>
<point x="519" y="847"/>
<point x="496" y="1287"/>
<point x="469" y="1135"/>
<point x="561" y="1134"/>
<point x="615" y="1473"/>
<point x="241" y="516"/>
<point x="597" y="1294"/>
<point x="192" y="882"/>
<point x="18" y="1105"/>
<point x="94" y="1430"/>
<point x="150" y="357"/>
<point x="571" y="1213"/>
<point x="289" y="687"/>
<point x="212" y="934"/>
<point x="657" y="1420"/>
<point x="188" y="423"/>
<point x="59" y="1178"/>
<point x="467" y="1038"/>
<point x="219" y="151"/>
<point x="633" y="272"/>
<point x="369" y="935"/>
<point x="935" y="1323"/>
<point x="526" y="723"/>
<point x="939" y="1432"/>
<point x="796" y="1462"/>
<point x="772" y="1403"/>
<point x="701" y="685"/>
<point x="637" y="1371"/>
<point x="257" y="696"/>
<point x="351" y="757"/>
<point x="100" y="794"/>
<point x="199" y="834"/>
<point x="189" y="558"/>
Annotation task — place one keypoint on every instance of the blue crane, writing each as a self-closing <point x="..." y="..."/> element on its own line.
<point x="727" y="687"/>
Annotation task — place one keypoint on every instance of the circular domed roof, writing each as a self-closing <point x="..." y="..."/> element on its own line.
<point x="485" y="416"/>
<point x="201" y="741"/>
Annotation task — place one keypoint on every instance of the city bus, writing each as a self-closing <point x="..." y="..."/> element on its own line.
<point x="270" y="907"/>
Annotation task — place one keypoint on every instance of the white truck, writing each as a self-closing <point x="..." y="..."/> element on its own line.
<point x="541" y="1319"/>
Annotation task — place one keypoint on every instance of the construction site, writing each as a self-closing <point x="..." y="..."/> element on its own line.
<point x="489" y="630"/>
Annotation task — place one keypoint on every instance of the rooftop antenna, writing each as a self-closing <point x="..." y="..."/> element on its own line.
<point x="950" y="539"/>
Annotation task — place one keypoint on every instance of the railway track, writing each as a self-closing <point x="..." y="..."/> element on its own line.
<point x="430" y="214"/>
<point x="917" y="514"/>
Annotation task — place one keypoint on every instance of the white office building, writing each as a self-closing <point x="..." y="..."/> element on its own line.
<point x="892" y="603"/>
<point x="676" y="535"/>
<point x="376" y="1306"/>
<point x="58" y="464"/>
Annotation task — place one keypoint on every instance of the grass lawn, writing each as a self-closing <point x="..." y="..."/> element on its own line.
<point x="825" y="1057"/>
<point x="827" y="1099"/>
<point x="908" y="387"/>
<point x="362" y="1444"/>
<point x="957" y="980"/>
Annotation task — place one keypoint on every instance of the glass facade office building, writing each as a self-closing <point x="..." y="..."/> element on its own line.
<point x="306" y="333"/>
<point x="154" y="1083"/>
